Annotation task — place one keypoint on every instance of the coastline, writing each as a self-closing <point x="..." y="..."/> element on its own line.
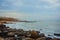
<point x="12" y="34"/>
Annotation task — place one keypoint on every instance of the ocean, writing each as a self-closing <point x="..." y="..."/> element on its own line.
<point x="47" y="27"/>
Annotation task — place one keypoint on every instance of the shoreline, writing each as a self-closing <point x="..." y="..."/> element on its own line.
<point x="10" y="33"/>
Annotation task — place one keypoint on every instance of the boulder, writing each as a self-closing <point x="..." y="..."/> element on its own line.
<point x="11" y="34"/>
<point x="34" y="34"/>
<point x="10" y="38"/>
<point x="56" y="34"/>
<point x="42" y="38"/>
<point x="41" y="35"/>
<point x="1" y="38"/>
<point x="27" y="39"/>
<point x="48" y="38"/>
<point x="55" y="39"/>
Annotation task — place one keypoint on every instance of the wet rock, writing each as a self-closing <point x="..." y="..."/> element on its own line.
<point x="42" y="38"/>
<point x="10" y="38"/>
<point x="49" y="35"/>
<point x="20" y="34"/>
<point x="34" y="34"/>
<point x="27" y="39"/>
<point x="55" y="39"/>
<point x="48" y="38"/>
<point x="20" y="30"/>
<point x="41" y="35"/>
<point x="41" y="29"/>
<point x="56" y="34"/>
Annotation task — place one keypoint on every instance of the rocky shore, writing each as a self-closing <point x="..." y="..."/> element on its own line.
<point x="7" y="33"/>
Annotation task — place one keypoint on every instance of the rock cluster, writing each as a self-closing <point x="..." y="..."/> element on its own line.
<point x="7" y="33"/>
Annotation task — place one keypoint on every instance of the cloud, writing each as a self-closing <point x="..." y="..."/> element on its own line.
<point x="31" y="8"/>
<point x="55" y="3"/>
<point x="10" y="4"/>
<point x="16" y="3"/>
<point x="50" y="3"/>
<point x="32" y="4"/>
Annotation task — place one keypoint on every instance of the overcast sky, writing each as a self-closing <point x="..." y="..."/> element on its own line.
<point x="31" y="9"/>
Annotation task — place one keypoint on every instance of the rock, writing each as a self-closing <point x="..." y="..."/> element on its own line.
<point x="27" y="34"/>
<point x="11" y="34"/>
<point x="1" y="38"/>
<point x="49" y="35"/>
<point x="40" y="29"/>
<point x="20" y="30"/>
<point x="0" y="31"/>
<point x="55" y="39"/>
<point x="41" y="35"/>
<point x="34" y="34"/>
<point x="42" y="38"/>
<point x="10" y="38"/>
<point x="27" y="39"/>
<point x="48" y="38"/>
<point x="56" y="34"/>
<point x="2" y="26"/>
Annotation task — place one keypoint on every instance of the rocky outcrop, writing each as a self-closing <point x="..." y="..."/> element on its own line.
<point x="7" y="33"/>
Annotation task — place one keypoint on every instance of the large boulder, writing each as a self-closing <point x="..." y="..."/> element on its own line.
<point x="1" y="38"/>
<point x="34" y="34"/>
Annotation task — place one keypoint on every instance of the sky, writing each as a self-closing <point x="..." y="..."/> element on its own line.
<point x="31" y="9"/>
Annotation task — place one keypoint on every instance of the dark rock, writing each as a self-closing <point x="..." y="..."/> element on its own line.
<point x="2" y="25"/>
<point x="11" y="34"/>
<point x="56" y="34"/>
<point x="9" y="38"/>
<point x="48" y="38"/>
<point x="27" y="39"/>
<point x="55" y="39"/>
<point x="42" y="38"/>
<point x="41" y="35"/>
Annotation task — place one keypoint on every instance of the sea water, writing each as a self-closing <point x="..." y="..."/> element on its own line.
<point x="47" y="27"/>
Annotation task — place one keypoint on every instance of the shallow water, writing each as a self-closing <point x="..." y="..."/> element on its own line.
<point x="47" y="27"/>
